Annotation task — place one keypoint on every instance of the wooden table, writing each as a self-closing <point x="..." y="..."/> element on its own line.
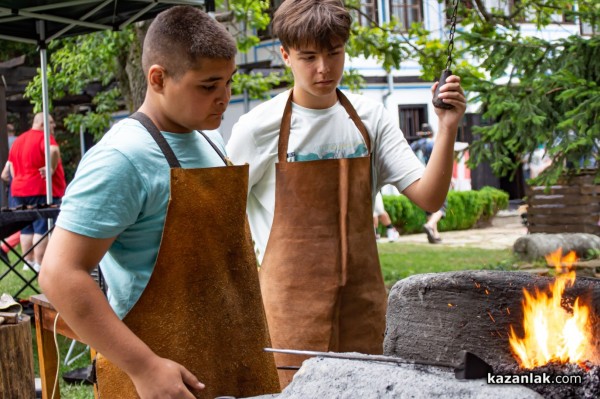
<point x="45" y="315"/>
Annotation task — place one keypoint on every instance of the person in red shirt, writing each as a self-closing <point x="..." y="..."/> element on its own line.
<point x="28" y="170"/>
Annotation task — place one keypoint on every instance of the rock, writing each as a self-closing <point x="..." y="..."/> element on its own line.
<point x="536" y="246"/>
<point x="339" y="378"/>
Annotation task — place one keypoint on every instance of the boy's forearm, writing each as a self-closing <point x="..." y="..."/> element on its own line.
<point x="430" y="191"/>
<point x="84" y="308"/>
<point x="66" y="281"/>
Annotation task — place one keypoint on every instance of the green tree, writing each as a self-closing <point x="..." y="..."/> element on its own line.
<point x="535" y="92"/>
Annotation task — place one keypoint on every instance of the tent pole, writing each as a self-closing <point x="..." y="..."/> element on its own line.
<point x="46" y="113"/>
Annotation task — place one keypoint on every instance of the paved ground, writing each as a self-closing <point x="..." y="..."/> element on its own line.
<point x="505" y="229"/>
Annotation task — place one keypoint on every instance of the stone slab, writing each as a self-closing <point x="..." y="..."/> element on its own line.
<point x="339" y="378"/>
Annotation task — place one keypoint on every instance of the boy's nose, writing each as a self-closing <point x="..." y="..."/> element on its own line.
<point x="224" y="96"/>
<point x="324" y="66"/>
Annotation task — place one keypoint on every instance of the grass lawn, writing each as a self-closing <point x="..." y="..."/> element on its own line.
<point x="398" y="260"/>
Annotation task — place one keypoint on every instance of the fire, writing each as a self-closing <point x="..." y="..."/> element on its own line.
<point x="551" y="332"/>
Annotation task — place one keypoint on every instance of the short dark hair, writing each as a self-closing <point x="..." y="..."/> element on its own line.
<point x="181" y="36"/>
<point x="298" y="23"/>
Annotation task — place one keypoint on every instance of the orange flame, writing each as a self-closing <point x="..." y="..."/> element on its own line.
<point x="551" y="332"/>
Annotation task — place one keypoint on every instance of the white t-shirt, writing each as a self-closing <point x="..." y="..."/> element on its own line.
<point x="316" y="134"/>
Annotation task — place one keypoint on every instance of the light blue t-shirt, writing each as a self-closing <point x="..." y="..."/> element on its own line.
<point x="121" y="189"/>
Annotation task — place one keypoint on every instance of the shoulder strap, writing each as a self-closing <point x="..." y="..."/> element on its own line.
<point x="355" y="118"/>
<point x="218" y="151"/>
<point x="158" y="137"/>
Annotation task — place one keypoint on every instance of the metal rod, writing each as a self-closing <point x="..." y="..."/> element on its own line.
<point x="46" y="113"/>
<point x="354" y="356"/>
<point x="63" y="4"/>
<point x="82" y="18"/>
<point x="18" y="39"/>
<point x="137" y="15"/>
<point x="55" y="18"/>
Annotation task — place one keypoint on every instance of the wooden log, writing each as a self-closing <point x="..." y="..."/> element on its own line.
<point x="557" y="209"/>
<point x="560" y="219"/>
<point x="571" y="199"/>
<point x="536" y="246"/>
<point x="583" y="189"/>
<point x="433" y="316"/>
<point x="542" y="228"/>
<point x="17" y="380"/>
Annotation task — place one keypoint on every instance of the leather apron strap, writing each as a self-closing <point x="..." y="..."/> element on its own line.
<point x="165" y="147"/>
<point x="202" y="306"/>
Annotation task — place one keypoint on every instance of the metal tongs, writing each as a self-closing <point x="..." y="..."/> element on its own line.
<point x="469" y="366"/>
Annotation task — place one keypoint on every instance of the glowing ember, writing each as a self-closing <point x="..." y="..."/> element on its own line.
<point x="551" y="332"/>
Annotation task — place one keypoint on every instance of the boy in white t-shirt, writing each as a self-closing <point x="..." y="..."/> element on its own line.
<point x="324" y="156"/>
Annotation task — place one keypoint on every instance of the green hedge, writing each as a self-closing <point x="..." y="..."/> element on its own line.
<point x="464" y="210"/>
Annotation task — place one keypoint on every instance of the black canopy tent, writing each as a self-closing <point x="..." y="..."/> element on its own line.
<point x="40" y="21"/>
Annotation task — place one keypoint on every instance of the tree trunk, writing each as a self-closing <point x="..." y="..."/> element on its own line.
<point x="16" y="361"/>
<point x="129" y="73"/>
<point x="137" y="78"/>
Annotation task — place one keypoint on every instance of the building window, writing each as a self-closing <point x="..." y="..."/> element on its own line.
<point x="406" y="12"/>
<point x="368" y="15"/>
<point x="412" y="116"/>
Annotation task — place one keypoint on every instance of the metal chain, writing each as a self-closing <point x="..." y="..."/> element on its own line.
<point x="451" y="36"/>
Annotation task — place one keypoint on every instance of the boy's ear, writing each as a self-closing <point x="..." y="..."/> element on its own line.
<point x="285" y="56"/>
<point x="156" y="78"/>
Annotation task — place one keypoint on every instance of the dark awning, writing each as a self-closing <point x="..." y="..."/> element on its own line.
<point x="21" y="20"/>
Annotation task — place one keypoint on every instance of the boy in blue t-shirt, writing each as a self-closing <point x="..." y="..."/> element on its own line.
<point x="114" y="210"/>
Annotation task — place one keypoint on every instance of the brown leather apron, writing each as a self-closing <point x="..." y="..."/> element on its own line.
<point x="320" y="277"/>
<point x="202" y="307"/>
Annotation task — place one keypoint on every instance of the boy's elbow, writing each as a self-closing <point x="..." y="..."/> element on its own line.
<point x="48" y="276"/>
<point x="44" y="277"/>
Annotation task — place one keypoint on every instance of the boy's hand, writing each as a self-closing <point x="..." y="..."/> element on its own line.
<point x="451" y="93"/>
<point x="165" y="379"/>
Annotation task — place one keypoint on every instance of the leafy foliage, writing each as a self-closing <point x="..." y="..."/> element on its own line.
<point x="463" y="211"/>
<point x="535" y="92"/>
<point x="75" y="63"/>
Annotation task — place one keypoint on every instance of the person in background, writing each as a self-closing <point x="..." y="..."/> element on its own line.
<point x="423" y="147"/>
<point x="317" y="159"/>
<point x="27" y="166"/>
<point x="380" y="214"/>
<point x="15" y="238"/>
